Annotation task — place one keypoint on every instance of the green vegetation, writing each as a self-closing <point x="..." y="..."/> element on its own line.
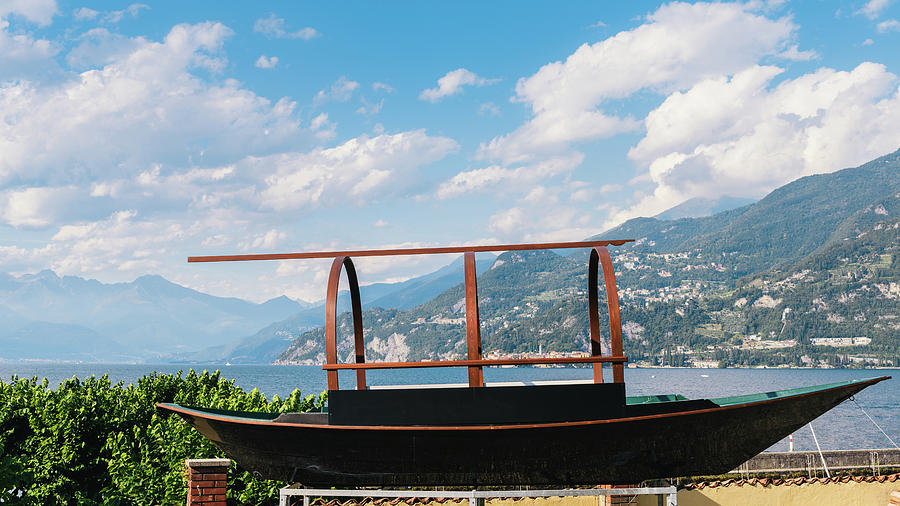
<point x="93" y="442"/>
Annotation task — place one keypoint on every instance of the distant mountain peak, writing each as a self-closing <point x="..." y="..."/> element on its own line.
<point x="151" y="278"/>
<point x="44" y="275"/>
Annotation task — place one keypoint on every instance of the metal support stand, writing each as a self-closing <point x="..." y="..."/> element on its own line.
<point x="475" y="497"/>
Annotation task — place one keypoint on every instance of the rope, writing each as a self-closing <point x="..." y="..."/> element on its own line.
<point x="820" y="450"/>
<point x="874" y="422"/>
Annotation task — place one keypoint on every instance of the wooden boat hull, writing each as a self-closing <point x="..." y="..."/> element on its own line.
<point x="615" y="451"/>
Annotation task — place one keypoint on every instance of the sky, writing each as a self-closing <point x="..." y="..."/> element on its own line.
<point x="134" y="135"/>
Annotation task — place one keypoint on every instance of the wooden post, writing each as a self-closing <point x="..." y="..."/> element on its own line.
<point x="473" y="322"/>
<point x="207" y="481"/>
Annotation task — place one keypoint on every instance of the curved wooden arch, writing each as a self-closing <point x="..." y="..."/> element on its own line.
<point x="334" y="278"/>
<point x="600" y="258"/>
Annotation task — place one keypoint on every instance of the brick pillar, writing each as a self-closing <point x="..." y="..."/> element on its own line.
<point x="206" y="481"/>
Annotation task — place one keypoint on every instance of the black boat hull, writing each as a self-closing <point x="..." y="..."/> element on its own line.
<point x="617" y="451"/>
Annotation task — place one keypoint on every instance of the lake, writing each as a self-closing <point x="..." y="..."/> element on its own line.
<point x="844" y="427"/>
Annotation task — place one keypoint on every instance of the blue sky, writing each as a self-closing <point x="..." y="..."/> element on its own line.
<point x="135" y="135"/>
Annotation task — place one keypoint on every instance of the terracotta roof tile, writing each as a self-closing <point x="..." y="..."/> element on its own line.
<point x="791" y="481"/>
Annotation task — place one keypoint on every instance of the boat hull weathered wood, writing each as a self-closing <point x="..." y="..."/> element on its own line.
<point x="613" y="451"/>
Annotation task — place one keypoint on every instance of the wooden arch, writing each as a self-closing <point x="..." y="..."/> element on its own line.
<point x="600" y="258"/>
<point x="334" y="278"/>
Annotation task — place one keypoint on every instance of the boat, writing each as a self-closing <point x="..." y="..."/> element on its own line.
<point x="482" y="434"/>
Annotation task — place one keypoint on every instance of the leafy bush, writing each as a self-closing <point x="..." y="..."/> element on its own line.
<point x="93" y="442"/>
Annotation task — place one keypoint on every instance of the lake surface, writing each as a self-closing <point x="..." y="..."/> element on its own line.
<point x="844" y="427"/>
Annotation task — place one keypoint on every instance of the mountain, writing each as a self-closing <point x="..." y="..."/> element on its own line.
<point x="813" y="262"/>
<point x="786" y="225"/>
<point x="70" y="342"/>
<point x="143" y="320"/>
<point x="699" y="207"/>
<point x="265" y="345"/>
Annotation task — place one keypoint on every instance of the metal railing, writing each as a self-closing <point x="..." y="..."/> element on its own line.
<point x="475" y="497"/>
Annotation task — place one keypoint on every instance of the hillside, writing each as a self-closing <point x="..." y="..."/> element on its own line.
<point x="753" y="285"/>
<point x="786" y="225"/>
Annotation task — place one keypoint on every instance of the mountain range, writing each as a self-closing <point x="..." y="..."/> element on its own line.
<point x="710" y="279"/>
<point x="69" y="318"/>
<point x="762" y="283"/>
<point x="48" y="317"/>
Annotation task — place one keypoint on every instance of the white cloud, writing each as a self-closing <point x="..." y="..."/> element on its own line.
<point x="273" y="28"/>
<point x="742" y="137"/>
<point x="132" y="10"/>
<point x="552" y="132"/>
<point x="99" y="47"/>
<point x="377" y="86"/>
<point x="489" y="109"/>
<point x="118" y="243"/>
<point x="353" y="173"/>
<point x="582" y="195"/>
<point x="868" y="42"/>
<point x="474" y="180"/>
<point x="680" y="44"/>
<point x="452" y="83"/>
<point x="36" y="11"/>
<point x="891" y="25"/>
<point x="370" y="109"/>
<point x="323" y="129"/>
<point x="21" y="55"/>
<point x="266" y="241"/>
<point x="502" y="179"/>
<point x="319" y="121"/>
<point x="874" y="8"/>
<point x="266" y="63"/>
<point x="35" y="207"/>
<point x="541" y="195"/>
<point x="83" y="13"/>
<point x="380" y="224"/>
<point x="141" y="108"/>
<point x="794" y="54"/>
<point x="112" y="17"/>
<point x="341" y="91"/>
<point x="508" y="223"/>
<point x="609" y="188"/>
<point x="547" y="222"/>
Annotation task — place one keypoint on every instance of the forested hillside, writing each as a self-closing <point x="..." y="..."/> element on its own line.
<point x="777" y="282"/>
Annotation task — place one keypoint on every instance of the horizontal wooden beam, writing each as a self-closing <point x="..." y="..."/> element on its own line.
<point x="482" y="362"/>
<point x="407" y="251"/>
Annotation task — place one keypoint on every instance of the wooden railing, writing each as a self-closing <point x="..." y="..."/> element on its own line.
<point x="599" y="260"/>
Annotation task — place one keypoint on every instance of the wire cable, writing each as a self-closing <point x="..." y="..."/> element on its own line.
<point x="874" y="422"/>
<point x="820" y="450"/>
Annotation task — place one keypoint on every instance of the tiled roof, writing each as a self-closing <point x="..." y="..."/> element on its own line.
<point x="793" y="481"/>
